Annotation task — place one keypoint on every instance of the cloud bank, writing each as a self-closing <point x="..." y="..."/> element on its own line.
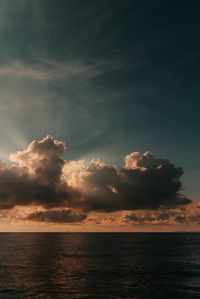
<point x="40" y="176"/>
<point x="187" y="216"/>
<point x="58" y="216"/>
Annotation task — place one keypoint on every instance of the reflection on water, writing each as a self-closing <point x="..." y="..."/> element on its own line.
<point x="139" y="266"/>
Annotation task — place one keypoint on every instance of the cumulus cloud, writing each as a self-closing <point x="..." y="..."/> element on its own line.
<point x="58" y="216"/>
<point x="39" y="175"/>
<point x="148" y="182"/>
<point x="144" y="182"/>
<point x="44" y="158"/>
<point x="35" y="177"/>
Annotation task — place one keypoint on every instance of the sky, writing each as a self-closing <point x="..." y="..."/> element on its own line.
<point x="112" y="80"/>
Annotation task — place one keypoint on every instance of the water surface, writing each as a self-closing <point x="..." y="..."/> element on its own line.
<point x="99" y="265"/>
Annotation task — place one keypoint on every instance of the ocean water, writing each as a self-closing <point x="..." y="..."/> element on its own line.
<point x="100" y="265"/>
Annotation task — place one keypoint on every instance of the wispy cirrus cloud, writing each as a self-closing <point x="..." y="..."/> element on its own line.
<point x="49" y="70"/>
<point x="19" y="70"/>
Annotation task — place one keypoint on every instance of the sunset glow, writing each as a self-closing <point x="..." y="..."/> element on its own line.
<point x="43" y="191"/>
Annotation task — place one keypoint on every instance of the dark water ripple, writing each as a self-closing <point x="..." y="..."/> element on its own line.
<point x="134" y="266"/>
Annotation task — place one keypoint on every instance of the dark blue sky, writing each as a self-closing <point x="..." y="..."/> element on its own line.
<point x="107" y="77"/>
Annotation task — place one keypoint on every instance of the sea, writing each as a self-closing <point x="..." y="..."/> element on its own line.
<point x="100" y="265"/>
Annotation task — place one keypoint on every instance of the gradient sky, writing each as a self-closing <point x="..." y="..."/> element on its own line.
<point x="106" y="77"/>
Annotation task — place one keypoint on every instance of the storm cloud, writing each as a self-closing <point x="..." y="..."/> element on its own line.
<point x="40" y="176"/>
